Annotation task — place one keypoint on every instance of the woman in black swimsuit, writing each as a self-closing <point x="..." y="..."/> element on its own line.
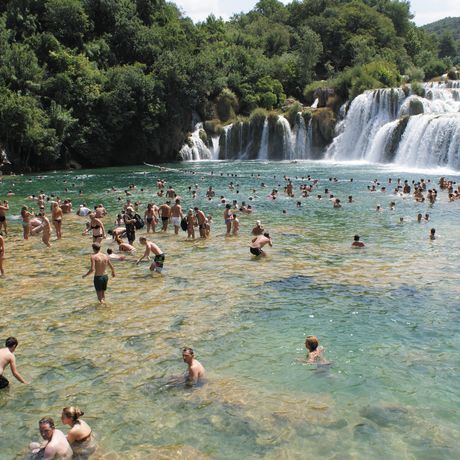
<point x="80" y="435"/>
<point x="97" y="227"/>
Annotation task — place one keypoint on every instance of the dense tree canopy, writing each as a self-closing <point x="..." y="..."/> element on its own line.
<point x="107" y="82"/>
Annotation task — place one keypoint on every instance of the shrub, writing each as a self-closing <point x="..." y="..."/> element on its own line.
<point x="417" y="88"/>
<point x="227" y="104"/>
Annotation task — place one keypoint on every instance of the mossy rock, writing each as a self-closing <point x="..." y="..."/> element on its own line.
<point x="203" y="135"/>
<point x="416" y="107"/>
<point x="323" y="124"/>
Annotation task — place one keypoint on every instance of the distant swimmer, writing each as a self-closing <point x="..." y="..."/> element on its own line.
<point x="56" y="445"/>
<point x="159" y="256"/>
<point x="228" y="215"/>
<point x="258" y="243"/>
<point x="80" y="436"/>
<point x="356" y="243"/>
<point x="99" y="264"/>
<point x="2" y="254"/>
<point x="196" y="372"/>
<point x="315" y="352"/>
<point x="7" y="358"/>
<point x="46" y="228"/>
<point x="433" y="234"/>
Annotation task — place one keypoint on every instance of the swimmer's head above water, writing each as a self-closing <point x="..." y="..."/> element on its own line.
<point x="311" y="343"/>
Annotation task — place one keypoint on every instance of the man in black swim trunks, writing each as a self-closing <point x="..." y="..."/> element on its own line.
<point x="7" y="358"/>
<point x="129" y="220"/>
<point x="99" y="264"/>
<point x="258" y="243"/>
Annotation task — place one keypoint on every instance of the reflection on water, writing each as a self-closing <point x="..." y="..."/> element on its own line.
<point x="386" y="315"/>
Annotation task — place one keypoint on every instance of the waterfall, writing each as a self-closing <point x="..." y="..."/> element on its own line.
<point x="386" y="125"/>
<point x="263" y="151"/>
<point x="367" y="114"/>
<point x="288" y="149"/>
<point x="431" y="140"/>
<point x="195" y="148"/>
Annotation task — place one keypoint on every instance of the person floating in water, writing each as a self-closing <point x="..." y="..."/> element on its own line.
<point x="55" y="445"/>
<point x="196" y="372"/>
<point x="258" y="243"/>
<point x="7" y="358"/>
<point x="315" y="352"/>
<point x="99" y="264"/>
<point x="80" y="436"/>
<point x="159" y="256"/>
<point x="356" y="243"/>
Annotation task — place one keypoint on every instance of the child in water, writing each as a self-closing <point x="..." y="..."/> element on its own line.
<point x="315" y="352"/>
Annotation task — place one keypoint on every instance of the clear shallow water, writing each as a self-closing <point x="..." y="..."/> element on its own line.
<point x="387" y="316"/>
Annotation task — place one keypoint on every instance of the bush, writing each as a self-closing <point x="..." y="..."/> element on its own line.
<point x="258" y="115"/>
<point x="415" y="74"/>
<point x="434" y="68"/>
<point x="292" y="112"/>
<point x="309" y="90"/>
<point x="452" y="74"/>
<point x="227" y="104"/>
<point x="417" y="88"/>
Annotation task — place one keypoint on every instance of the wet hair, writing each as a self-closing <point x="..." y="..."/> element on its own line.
<point x="188" y="350"/>
<point x="73" y="412"/>
<point x="356" y="237"/>
<point x="311" y="343"/>
<point x="142" y="238"/>
<point x="11" y="342"/>
<point x="109" y="251"/>
<point x="96" y="247"/>
<point x="47" y="421"/>
<point x="267" y="235"/>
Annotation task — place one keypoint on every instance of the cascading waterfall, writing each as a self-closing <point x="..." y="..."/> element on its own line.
<point x="392" y="125"/>
<point x="263" y="151"/>
<point x="384" y="126"/>
<point x="195" y="148"/>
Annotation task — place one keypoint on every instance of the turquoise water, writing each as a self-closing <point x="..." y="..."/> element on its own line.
<point x="387" y="316"/>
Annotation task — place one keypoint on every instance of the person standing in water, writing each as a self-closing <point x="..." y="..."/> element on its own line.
<point x="7" y="358"/>
<point x="130" y="221"/>
<point x="56" y="445"/>
<point x="46" y="226"/>
<point x="176" y="215"/>
<point x="165" y="214"/>
<point x="196" y="372"/>
<point x="2" y="254"/>
<point x="356" y="243"/>
<point x="258" y="243"/>
<point x="99" y="264"/>
<point x="228" y="218"/>
<point x="57" y="219"/>
<point x="159" y="256"/>
<point x="80" y="436"/>
<point x="4" y="207"/>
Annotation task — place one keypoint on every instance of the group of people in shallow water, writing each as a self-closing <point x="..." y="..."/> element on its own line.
<point x="80" y="440"/>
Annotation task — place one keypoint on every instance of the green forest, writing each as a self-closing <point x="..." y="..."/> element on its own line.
<point x="113" y="82"/>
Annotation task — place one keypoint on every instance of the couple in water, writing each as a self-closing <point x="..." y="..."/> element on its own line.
<point x="79" y="444"/>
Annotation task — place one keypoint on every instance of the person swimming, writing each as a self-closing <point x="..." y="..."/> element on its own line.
<point x="80" y="436"/>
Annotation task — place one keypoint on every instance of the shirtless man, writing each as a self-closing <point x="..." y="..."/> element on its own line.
<point x="165" y="213"/>
<point x="4" y="207"/>
<point x="171" y="193"/>
<point x="159" y="256"/>
<point x="55" y="445"/>
<point x="258" y="243"/>
<point x="46" y="226"/>
<point x="99" y="264"/>
<point x="196" y="370"/>
<point x="176" y="215"/>
<point x="7" y="358"/>
<point x="202" y="221"/>
<point x="2" y="254"/>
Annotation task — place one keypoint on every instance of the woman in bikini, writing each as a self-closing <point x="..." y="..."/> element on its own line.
<point x="57" y="219"/>
<point x="80" y="435"/>
<point x="97" y="227"/>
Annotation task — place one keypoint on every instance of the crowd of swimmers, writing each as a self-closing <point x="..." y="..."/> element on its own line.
<point x="80" y="439"/>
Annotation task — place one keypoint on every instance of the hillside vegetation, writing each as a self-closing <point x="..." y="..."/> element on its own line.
<point x="110" y="82"/>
